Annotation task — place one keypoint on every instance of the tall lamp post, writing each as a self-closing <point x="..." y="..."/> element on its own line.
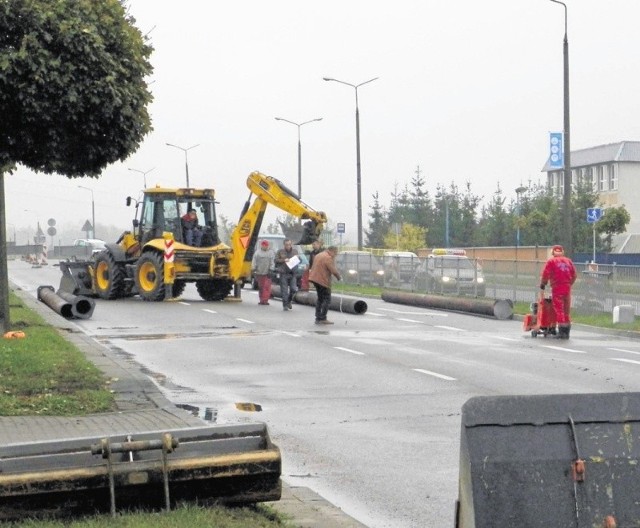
<point x="186" y="160"/>
<point x="519" y="191"/>
<point x="144" y="175"/>
<point x="358" y="171"/>
<point x="446" y="220"/>
<point x="566" y="197"/>
<point x="93" y="209"/>
<point x="299" y="148"/>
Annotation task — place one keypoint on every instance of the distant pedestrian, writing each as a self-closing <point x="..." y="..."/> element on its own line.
<point x="262" y="266"/>
<point x="287" y="261"/>
<point x="560" y="272"/>
<point x="322" y="271"/>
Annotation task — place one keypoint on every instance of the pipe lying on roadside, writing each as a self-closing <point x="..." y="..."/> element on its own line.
<point x="48" y="296"/>
<point x="338" y="303"/>
<point x="500" y="309"/>
<point x="81" y="307"/>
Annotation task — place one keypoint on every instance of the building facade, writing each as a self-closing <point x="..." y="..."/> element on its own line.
<point x="613" y="170"/>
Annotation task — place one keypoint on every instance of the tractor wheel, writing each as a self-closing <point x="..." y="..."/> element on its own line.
<point x="178" y="288"/>
<point x="109" y="276"/>
<point x="150" y="276"/>
<point x="214" y="290"/>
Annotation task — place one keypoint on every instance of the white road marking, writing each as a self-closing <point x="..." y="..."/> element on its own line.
<point x="450" y="328"/>
<point x="623" y="350"/>
<point x="245" y="320"/>
<point x="375" y="314"/>
<point x="209" y="311"/>
<point x="626" y="360"/>
<point x="407" y="320"/>
<point x="404" y="312"/>
<point x="506" y="338"/>
<point x="435" y="374"/>
<point x="350" y="351"/>
<point x="290" y="334"/>
<point x="184" y="303"/>
<point x="562" y="349"/>
<point x="367" y="341"/>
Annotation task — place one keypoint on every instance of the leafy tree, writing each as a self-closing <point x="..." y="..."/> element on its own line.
<point x="73" y="95"/>
<point x="613" y="222"/>
<point x="410" y="238"/>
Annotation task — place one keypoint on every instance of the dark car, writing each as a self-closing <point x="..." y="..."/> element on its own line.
<point x="276" y="242"/>
<point x="449" y="271"/>
<point x="360" y="267"/>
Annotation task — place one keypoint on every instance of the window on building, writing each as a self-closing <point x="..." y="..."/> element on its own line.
<point x="602" y="179"/>
<point x="588" y="178"/>
<point x="613" y="177"/>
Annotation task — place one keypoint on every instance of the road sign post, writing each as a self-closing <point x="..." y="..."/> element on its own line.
<point x="340" y="228"/>
<point x="593" y="215"/>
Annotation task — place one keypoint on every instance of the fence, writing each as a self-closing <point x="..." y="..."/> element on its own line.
<point x="599" y="287"/>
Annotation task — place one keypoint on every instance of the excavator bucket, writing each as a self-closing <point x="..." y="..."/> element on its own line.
<point x="232" y="464"/>
<point x="302" y="234"/>
<point x="76" y="278"/>
<point x="550" y="460"/>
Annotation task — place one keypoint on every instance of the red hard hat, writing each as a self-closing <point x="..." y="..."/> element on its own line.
<point x="557" y="250"/>
<point x="264" y="243"/>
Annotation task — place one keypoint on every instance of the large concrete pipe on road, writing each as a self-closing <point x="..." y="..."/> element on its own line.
<point x="338" y="303"/>
<point x="48" y="296"/>
<point x="500" y="309"/>
<point x="82" y="307"/>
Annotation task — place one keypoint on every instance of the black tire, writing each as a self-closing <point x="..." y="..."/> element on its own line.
<point x="178" y="288"/>
<point x="109" y="276"/>
<point x="214" y="290"/>
<point x="150" y="276"/>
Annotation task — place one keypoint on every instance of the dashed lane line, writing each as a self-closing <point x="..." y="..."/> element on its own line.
<point x="502" y="338"/>
<point x="563" y="349"/>
<point x="623" y="350"/>
<point x="450" y="328"/>
<point x="407" y="320"/>
<point x="184" y="303"/>
<point x="245" y="320"/>
<point x="623" y="360"/>
<point x="209" y="311"/>
<point x="375" y="314"/>
<point x="413" y="312"/>
<point x="357" y="353"/>
<point x="435" y="374"/>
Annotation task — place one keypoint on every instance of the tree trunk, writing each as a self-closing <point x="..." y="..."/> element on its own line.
<point x="5" y="321"/>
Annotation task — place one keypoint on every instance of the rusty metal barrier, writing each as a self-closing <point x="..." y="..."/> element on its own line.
<point x="231" y="464"/>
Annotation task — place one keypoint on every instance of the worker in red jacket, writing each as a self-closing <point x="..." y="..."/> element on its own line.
<point x="560" y="272"/>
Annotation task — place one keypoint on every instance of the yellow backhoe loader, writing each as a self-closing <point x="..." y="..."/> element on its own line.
<point x="154" y="260"/>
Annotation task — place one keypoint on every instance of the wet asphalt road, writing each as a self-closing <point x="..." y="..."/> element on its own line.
<point x="367" y="411"/>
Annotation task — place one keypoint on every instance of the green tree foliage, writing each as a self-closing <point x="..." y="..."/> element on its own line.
<point x="614" y="221"/>
<point x="409" y="238"/>
<point x="73" y="95"/>
<point x="378" y="225"/>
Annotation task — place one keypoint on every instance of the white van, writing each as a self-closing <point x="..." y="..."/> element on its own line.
<point x="400" y="266"/>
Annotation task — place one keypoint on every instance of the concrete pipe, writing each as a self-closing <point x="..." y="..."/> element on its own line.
<point x="338" y="303"/>
<point x="81" y="307"/>
<point x="48" y="296"/>
<point x="500" y="309"/>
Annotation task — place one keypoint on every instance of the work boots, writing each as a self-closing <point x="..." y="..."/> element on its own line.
<point x="563" y="331"/>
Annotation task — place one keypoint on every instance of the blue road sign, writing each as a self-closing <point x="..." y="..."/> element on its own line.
<point x="594" y="214"/>
<point x="340" y="228"/>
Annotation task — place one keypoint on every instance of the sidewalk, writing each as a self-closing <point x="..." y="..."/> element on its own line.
<point x="142" y="407"/>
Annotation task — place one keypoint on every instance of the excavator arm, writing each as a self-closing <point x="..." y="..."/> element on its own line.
<point x="268" y="191"/>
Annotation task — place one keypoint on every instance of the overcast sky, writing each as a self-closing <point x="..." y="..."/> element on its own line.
<point x="468" y="90"/>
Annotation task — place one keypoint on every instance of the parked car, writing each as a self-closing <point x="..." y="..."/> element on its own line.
<point x="87" y="247"/>
<point x="360" y="267"/>
<point x="400" y="266"/>
<point x="449" y="271"/>
<point x="276" y="242"/>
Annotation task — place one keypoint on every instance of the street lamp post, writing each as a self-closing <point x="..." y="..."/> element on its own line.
<point x="144" y="174"/>
<point x="358" y="171"/>
<point x="299" y="148"/>
<point x="566" y="197"/>
<point x="186" y="160"/>
<point x="93" y="210"/>
<point x="519" y="191"/>
<point x="446" y="221"/>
